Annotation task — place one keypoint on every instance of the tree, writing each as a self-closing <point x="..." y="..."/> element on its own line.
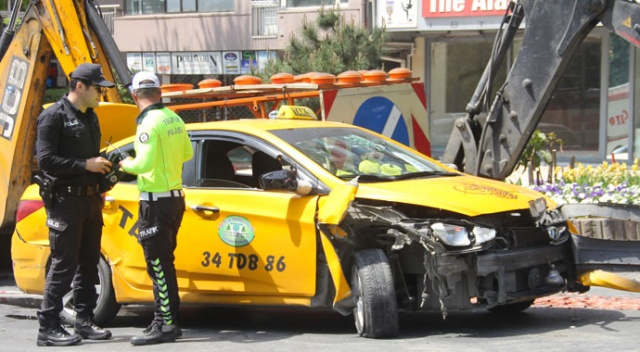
<point x="331" y="45"/>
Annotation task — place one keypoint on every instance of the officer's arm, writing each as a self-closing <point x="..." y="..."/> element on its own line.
<point x="146" y="144"/>
<point x="47" y="145"/>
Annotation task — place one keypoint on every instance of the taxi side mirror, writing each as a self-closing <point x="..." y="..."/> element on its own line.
<point x="284" y="180"/>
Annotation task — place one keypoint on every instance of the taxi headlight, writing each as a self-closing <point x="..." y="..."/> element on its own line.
<point x="452" y="235"/>
<point x="483" y="234"/>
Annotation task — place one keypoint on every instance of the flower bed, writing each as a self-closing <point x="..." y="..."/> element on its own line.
<point x="602" y="184"/>
<point x="605" y="183"/>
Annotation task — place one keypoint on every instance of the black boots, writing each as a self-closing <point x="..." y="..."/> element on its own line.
<point x="56" y="335"/>
<point x="52" y="333"/>
<point x="88" y="330"/>
<point x="157" y="333"/>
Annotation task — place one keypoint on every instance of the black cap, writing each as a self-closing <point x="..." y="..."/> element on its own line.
<point x="92" y="73"/>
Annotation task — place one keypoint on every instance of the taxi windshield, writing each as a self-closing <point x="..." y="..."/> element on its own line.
<point x="350" y="152"/>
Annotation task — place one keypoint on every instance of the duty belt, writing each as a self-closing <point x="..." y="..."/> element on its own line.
<point x="78" y="191"/>
<point x="151" y="196"/>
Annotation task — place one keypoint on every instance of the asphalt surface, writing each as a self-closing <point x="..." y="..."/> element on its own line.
<point x="596" y="296"/>
<point x="552" y="325"/>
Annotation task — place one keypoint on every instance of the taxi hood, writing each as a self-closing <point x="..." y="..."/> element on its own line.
<point x="467" y="195"/>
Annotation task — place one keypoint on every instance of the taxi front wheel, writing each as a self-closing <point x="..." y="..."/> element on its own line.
<point x="106" y="306"/>
<point x="376" y="310"/>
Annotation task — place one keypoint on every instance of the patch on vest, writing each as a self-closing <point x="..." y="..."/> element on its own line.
<point x="144" y="137"/>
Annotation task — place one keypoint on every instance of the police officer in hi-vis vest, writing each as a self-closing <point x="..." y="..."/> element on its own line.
<point x="162" y="145"/>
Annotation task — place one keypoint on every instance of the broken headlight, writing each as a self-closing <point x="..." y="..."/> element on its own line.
<point x="459" y="236"/>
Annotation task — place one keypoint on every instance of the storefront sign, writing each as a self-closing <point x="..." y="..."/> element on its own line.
<point x="149" y="62"/>
<point x="398" y="13"/>
<point x="134" y="62"/>
<point x="231" y="62"/>
<point x="463" y="8"/>
<point x="264" y="57"/>
<point x="249" y="61"/>
<point x="163" y="63"/>
<point x="196" y="63"/>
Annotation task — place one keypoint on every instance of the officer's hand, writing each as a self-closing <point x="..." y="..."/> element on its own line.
<point x="122" y="161"/>
<point x="98" y="164"/>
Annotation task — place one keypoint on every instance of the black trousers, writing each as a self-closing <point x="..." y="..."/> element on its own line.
<point x="75" y="230"/>
<point x="159" y="221"/>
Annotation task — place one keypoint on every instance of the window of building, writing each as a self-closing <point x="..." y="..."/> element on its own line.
<point x="264" y="18"/>
<point x="573" y="113"/>
<point x="453" y="79"/>
<point x="142" y="7"/>
<point x="215" y="5"/>
<point x="307" y="3"/>
<point x="635" y="113"/>
<point x="619" y="120"/>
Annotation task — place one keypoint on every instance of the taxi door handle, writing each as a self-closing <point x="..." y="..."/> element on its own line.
<point x="203" y="209"/>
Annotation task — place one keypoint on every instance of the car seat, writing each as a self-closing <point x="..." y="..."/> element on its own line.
<point x="219" y="167"/>
<point x="261" y="163"/>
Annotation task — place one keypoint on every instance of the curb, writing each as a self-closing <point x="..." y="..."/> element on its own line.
<point x="20" y="299"/>
<point x="11" y="295"/>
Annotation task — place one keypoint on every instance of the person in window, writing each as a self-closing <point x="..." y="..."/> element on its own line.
<point x="340" y="163"/>
<point x="373" y="164"/>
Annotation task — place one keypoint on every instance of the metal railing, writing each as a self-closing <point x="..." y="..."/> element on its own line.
<point x="109" y="12"/>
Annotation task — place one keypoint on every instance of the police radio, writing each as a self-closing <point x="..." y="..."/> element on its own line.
<point x="109" y="179"/>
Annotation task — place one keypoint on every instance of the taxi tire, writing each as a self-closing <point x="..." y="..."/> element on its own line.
<point x="376" y="310"/>
<point x="106" y="306"/>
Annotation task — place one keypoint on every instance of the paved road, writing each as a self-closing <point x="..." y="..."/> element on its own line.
<point x="235" y="329"/>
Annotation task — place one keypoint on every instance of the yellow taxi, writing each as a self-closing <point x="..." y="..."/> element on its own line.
<point x="300" y="212"/>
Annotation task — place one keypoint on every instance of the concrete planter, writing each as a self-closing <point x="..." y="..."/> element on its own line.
<point x="608" y="229"/>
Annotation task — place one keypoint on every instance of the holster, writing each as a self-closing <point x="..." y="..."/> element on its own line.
<point x="46" y="189"/>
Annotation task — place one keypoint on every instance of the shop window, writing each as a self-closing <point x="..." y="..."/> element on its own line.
<point x="453" y="79"/>
<point x="618" y="119"/>
<point x="573" y="113"/>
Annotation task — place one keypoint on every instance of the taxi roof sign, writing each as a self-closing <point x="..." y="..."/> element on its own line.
<point x="295" y="112"/>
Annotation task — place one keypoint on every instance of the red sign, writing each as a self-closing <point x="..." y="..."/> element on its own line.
<point x="463" y="8"/>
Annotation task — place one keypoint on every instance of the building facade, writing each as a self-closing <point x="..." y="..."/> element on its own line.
<point x="446" y="43"/>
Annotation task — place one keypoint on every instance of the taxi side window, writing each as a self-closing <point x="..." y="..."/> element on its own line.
<point x="225" y="164"/>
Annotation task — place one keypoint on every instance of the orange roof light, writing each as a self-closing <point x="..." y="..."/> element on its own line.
<point x="247" y="80"/>
<point x="209" y="83"/>
<point x="175" y="87"/>
<point x="282" y="78"/>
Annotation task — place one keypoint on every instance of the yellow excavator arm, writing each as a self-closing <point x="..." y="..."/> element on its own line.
<point x="74" y="32"/>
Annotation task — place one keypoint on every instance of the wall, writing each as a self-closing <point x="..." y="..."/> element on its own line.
<point x="212" y="31"/>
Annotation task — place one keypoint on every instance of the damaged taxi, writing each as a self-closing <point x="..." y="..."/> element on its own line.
<point x="297" y="212"/>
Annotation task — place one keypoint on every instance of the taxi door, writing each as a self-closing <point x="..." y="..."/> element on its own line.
<point x="248" y="242"/>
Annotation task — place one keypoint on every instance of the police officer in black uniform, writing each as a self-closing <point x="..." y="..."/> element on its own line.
<point x="67" y="147"/>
